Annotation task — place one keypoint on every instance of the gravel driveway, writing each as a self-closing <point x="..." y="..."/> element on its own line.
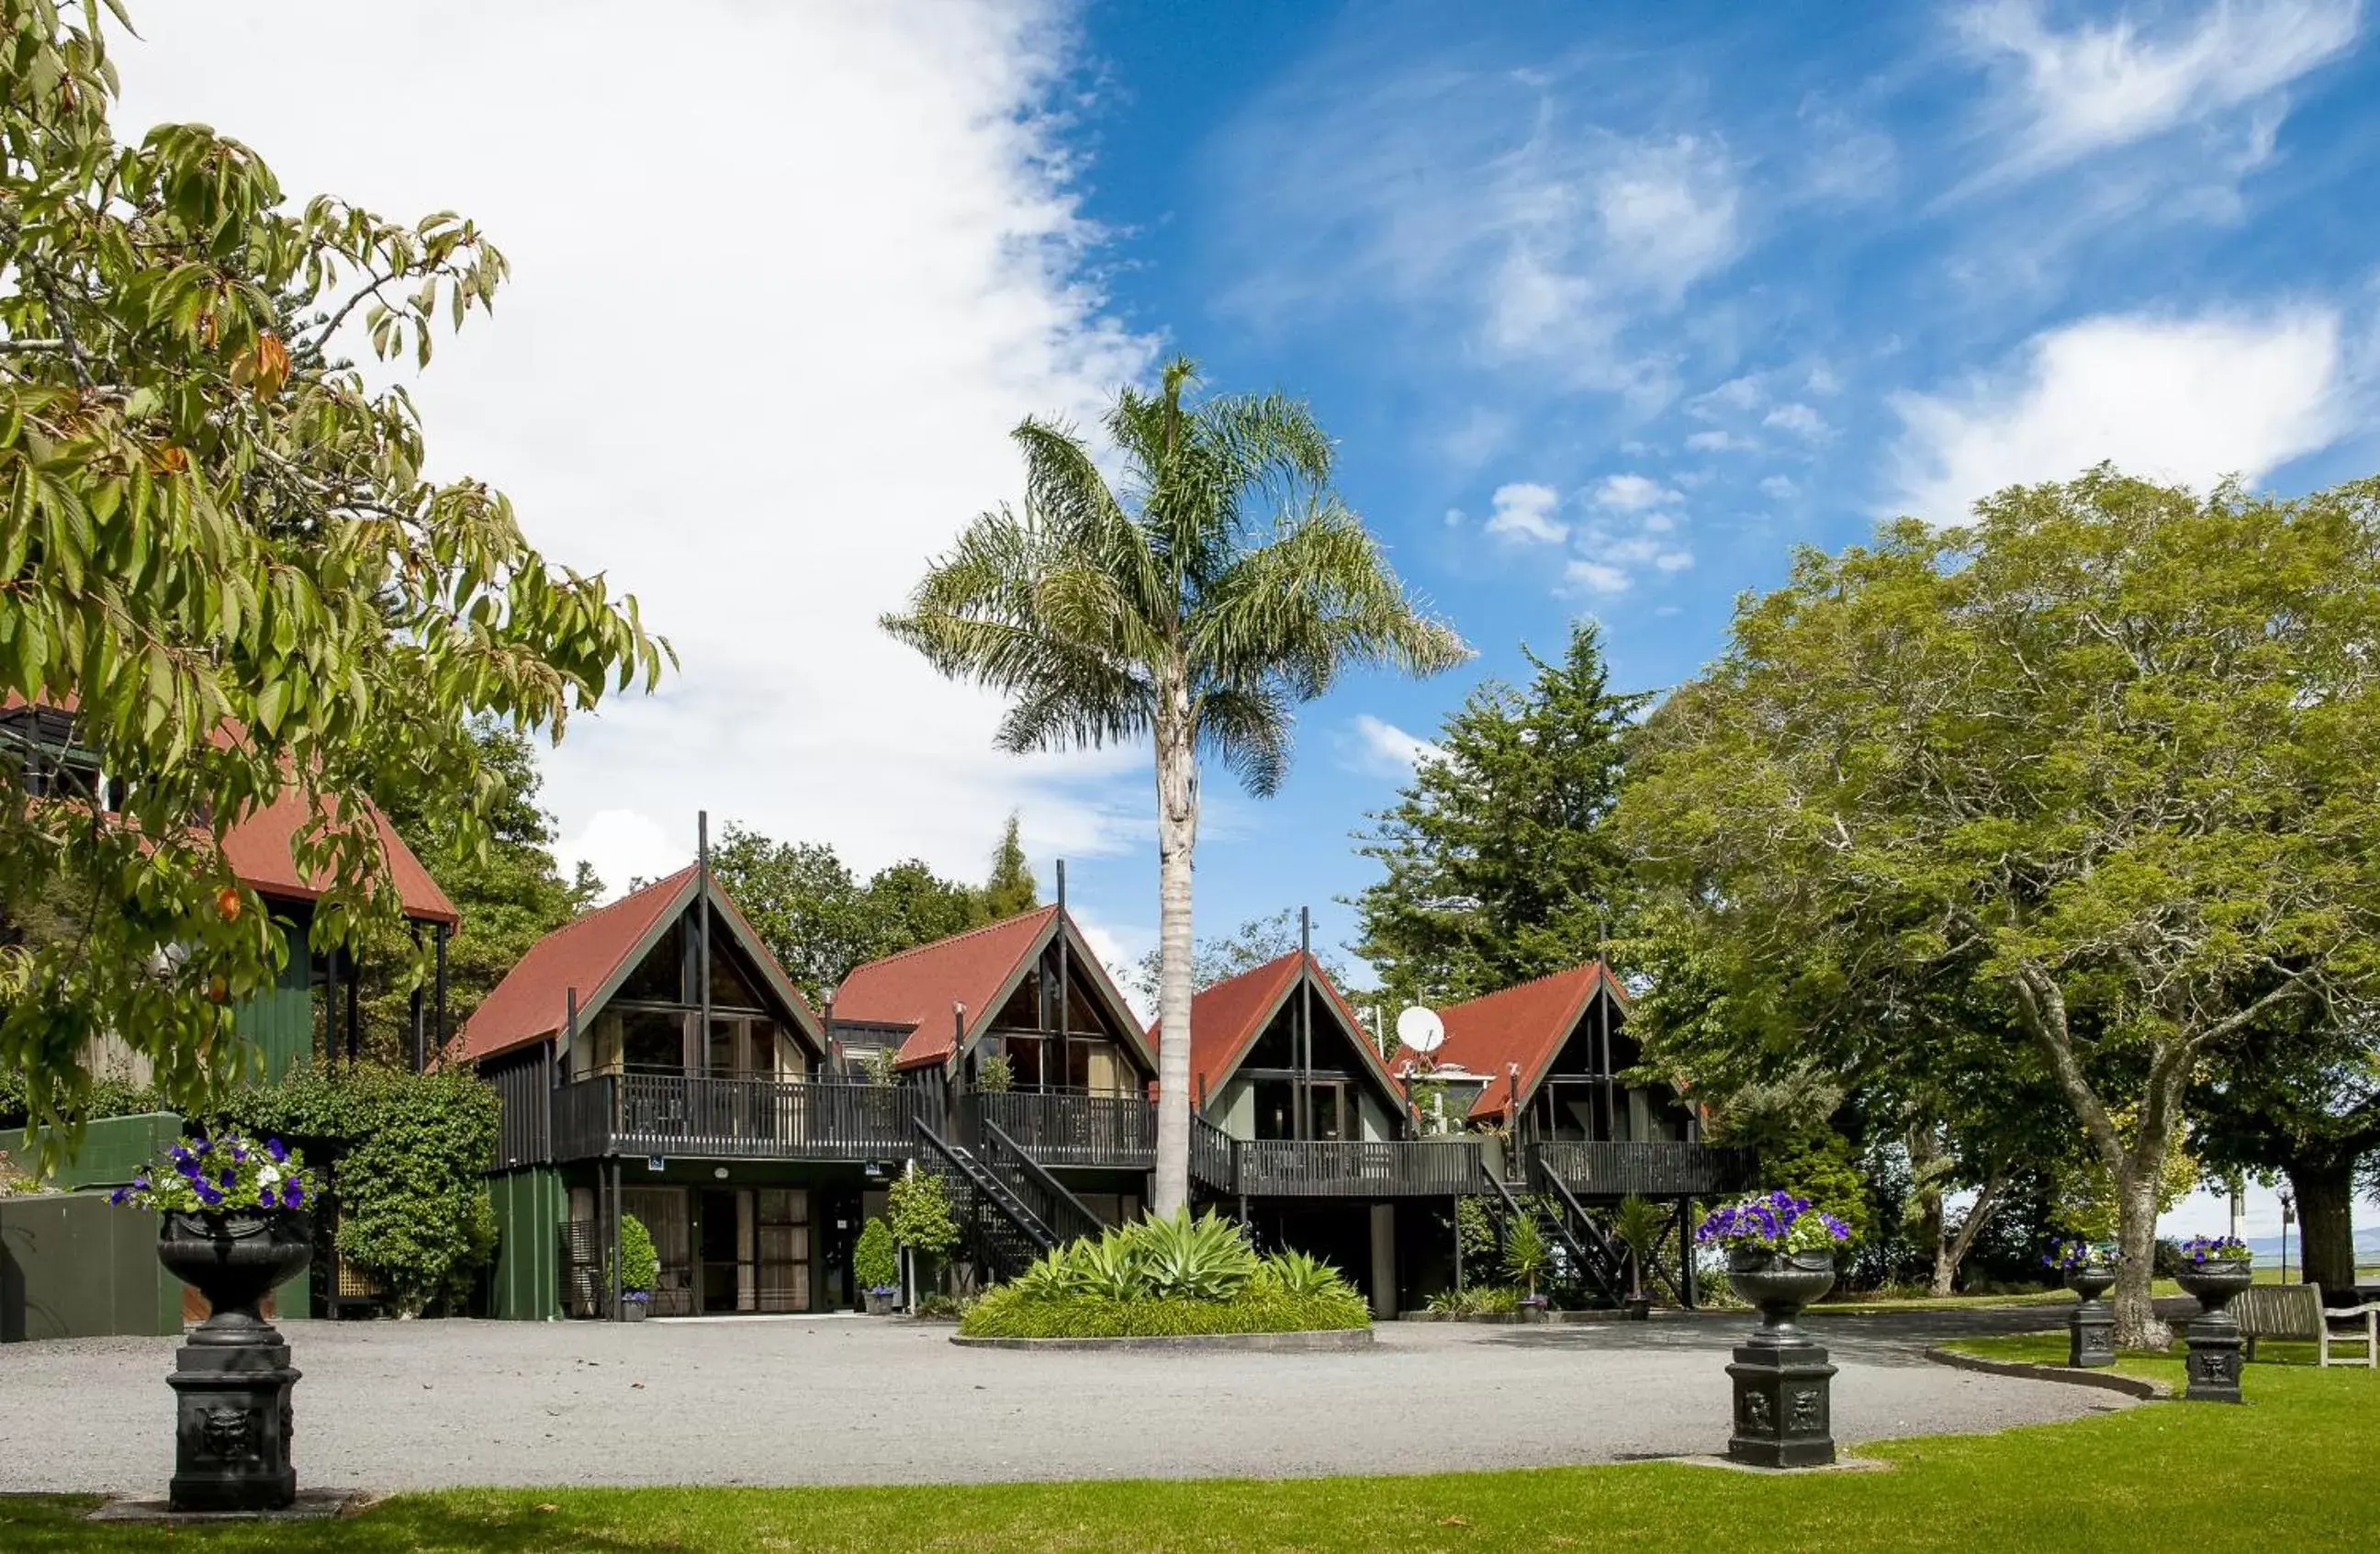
<point x="389" y="1405"/>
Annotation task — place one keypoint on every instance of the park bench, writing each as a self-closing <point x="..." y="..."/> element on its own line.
<point x="2295" y="1311"/>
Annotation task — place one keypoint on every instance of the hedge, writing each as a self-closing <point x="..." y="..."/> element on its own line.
<point x="1009" y="1313"/>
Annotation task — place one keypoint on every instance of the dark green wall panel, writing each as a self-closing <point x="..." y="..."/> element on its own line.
<point x="529" y="1208"/>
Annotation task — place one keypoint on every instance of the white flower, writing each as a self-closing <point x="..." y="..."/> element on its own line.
<point x="269" y="1175"/>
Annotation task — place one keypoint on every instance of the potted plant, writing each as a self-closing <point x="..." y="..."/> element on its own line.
<point x="2213" y="1268"/>
<point x="918" y="1207"/>
<point x="1637" y="1222"/>
<point x="1526" y="1258"/>
<point x="2089" y="1270"/>
<point x="640" y="1270"/>
<point x="1780" y="1257"/>
<point x="877" y="1268"/>
<point x="236" y="1223"/>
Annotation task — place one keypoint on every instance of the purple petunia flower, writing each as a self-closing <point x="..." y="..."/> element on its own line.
<point x="120" y="1197"/>
<point x="292" y="1194"/>
<point x="209" y="1195"/>
<point x="278" y="1150"/>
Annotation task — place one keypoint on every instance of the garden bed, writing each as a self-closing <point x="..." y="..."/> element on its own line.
<point x="1321" y="1340"/>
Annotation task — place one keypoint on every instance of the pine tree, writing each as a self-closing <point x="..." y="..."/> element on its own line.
<point x="1011" y="888"/>
<point x="1499" y="866"/>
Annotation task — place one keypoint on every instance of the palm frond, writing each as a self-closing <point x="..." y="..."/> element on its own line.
<point x="1248" y="729"/>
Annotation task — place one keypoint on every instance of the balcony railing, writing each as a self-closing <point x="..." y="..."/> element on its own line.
<point x="1295" y="1167"/>
<point x="1056" y="1128"/>
<point x="1651" y="1168"/>
<point x="725" y="1117"/>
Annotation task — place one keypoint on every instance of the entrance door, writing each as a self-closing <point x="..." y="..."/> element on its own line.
<point x="784" y="1249"/>
<point x="728" y="1271"/>
<point x="838" y="1228"/>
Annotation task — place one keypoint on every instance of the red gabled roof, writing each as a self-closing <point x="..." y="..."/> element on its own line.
<point x="258" y="846"/>
<point x="1226" y="1017"/>
<point x="917" y="987"/>
<point x="533" y="1000"/>
<point x="1522" y="1025"/>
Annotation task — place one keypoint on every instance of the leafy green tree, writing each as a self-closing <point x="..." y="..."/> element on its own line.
<point x="1222" y="956"/>
<point x="1499" y="866"/>
<point x="507" y="887"/>
<point x="1011" y="889"/>
<point x="218" y="546"/>
<point x="1219" y="584"/>
<point x="821" y="921"/>
<point x="2302" y="1102"/>
<point x="2106" y="753"/>
<point x="875" y="1263"/>
<point x="918" y="1207"/>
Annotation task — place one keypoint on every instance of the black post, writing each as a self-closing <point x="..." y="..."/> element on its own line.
<point x="1064" y="970"/>
<point x="702" y="894"/>
<point x="613" y="1259"/>
<point x="570" y="1022"/>
<point x="1305" y="1027"/>
<point x="443" y="932"/>
<point x="354" y="1027"/>
<point x="331" y="1008"/>
<point x="415" y="1010"/>
<point x="1611" y="1095"/>
<point x="833" y="1058"/>
<point x="1687" y="1294"/>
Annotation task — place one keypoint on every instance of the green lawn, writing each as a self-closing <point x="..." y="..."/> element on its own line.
<point x="2294" y="1467"/>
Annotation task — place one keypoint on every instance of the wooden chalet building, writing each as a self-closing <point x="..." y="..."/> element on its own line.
<point x="1541" y="1070"/>
<point x="749" y="1133"/>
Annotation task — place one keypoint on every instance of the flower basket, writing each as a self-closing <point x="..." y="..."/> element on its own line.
<point x="879" y="1302"/>
<point x="2214" y="1269"/>
<point x="636" y="1305"/>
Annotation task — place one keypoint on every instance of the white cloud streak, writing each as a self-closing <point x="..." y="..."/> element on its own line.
<point x="1524" y="511"/>
<point x="783" y="278"/>
<point x="2180" y="399"/>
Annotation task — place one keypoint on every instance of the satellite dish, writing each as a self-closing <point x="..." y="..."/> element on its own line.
<point x="1421" y="1029"/>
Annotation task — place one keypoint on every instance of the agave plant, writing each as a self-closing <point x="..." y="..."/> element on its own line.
<point x="1194" y="1259"/>
<point x="1296" y="1274"/>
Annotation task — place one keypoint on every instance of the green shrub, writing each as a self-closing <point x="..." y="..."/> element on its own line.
<point x="994" y="1074"/>
<point x="944" y="1308"/>
<point x="919" y="1209"/>
<point x="873" y="1261"/>
<point x="1010" y="1312"/>
<point x="1163" y="1277"/>
<point x="407" y="1155"/>
<point x="1476" y="1300"/>
<point x="1525" y="1254"/>
<point x="640" y="1265"/>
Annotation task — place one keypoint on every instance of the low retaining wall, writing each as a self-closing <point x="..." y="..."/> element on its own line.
<point x="2138" y="1387"/>
<point x="1271" y="1343"/>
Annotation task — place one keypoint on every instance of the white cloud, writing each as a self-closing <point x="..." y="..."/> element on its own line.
<point x="1797" y="418"/>
<point x="1720" y="442"/>
<point x="1383" y="749"/>
<point x="1594" y="576"/>
<point x="1675" y="560"/>
<point x="1736" y="395"/>
<point x="1632" y="493"/>
<point x="1454" y="517"/>
<point x="1822" y="380"/>
<point x="2178" y="399"/>
<point x="2098" y="85"/>
<point x="709" y="372"/>
<point x="1778" y="487"/>
<point x="1524" y="511"/>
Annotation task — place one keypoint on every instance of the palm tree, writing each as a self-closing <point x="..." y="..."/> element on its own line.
<point x="1199" y="601"/>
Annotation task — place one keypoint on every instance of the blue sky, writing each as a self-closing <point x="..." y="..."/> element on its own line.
<point x="1609" y="306"/>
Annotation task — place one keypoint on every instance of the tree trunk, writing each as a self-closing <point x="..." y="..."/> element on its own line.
<point x="1951" y="1247"/>
<point x="2325" y="1186"/>
<point x="2137" y="1323"/>
<point x="1936" y="1235"/>
<point x="1177" y="836"/>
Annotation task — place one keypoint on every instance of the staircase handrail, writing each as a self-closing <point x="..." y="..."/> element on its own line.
<point x="987" y="1187"/>
<point x="1078" y="1221"/>
<point x="1598" y="1260"/>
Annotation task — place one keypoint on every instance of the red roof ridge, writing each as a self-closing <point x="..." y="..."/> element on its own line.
<point x="1587" y="966"/>
<point x="950" y="939"/>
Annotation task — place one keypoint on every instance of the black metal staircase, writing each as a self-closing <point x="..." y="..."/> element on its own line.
<point x="1603" y="1259"/>
<point x="1001" y="1231"/>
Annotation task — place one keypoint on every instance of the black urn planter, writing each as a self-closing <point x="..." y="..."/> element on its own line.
<point x="2091" y="1328"/>
<point x="2213" y="1362"/>
<point x="232" y="1379"/>
<point x="1783" y="1382"/>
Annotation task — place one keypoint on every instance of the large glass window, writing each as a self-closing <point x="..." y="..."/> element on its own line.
<point x="650" y="1039"/>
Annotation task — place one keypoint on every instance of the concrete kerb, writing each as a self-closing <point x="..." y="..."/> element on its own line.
<point x="2137" y="1386"/>
<point x="1269" y="1343"/>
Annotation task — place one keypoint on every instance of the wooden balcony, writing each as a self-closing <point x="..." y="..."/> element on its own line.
<point x="1605" y="1169"/>
<point x="729" y="1119"/>
<point x="1061" y="1129"/>
<point x="1293" y="1168"/>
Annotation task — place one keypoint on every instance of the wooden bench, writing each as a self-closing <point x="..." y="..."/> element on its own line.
<point x="2295" y="1311"/>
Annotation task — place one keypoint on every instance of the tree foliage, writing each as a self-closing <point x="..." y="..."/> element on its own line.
<point x="2102" y="757"/>
<point x="1219" y="957"/>
<point x="1195" y="602"/>
<point x="218" y="544"/>
<point x="408" y="1156"/>
<point x="1011" y="889"/>
<point x="1498" y="865"/>
<point x="821" y="921"/>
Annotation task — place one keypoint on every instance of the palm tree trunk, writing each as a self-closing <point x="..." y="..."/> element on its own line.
<point x="1177" y="835"/>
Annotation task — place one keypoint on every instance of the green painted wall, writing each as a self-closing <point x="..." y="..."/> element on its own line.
<point x="72" y="1265"/>
<point x="112" y="1150"/>
<point x="281" y="1023"/>
<point x="1237" y="1114"/>
<point x="530" y="1206"/>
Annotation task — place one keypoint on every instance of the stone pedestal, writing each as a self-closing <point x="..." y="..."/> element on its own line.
<point x="1783" y="1405"/>
<point x="2213" y="1364"/>
<point x="1783" y="1382"/>
<point x="2091" y="1328"/>
<point x="231" y="1427"/>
